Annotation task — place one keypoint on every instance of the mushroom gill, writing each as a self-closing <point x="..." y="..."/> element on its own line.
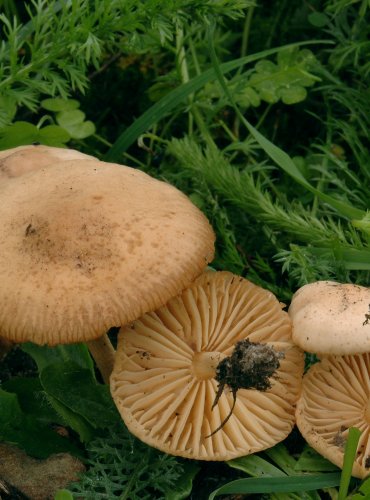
<point x="336" y="396"/>
<point x="164" y="379"/>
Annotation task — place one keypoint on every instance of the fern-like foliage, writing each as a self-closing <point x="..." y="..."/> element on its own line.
<point x="51" y="53"/>
<point x="121" y="466"/>
<point x="251" y="194"/>
<point x="333" y="245"/>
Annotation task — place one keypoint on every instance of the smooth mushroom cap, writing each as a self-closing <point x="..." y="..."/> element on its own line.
<point x="336" y="396"/>
<point x="87" y="245"/>
<point x="331" y="318"/>
<point x="163" y="378"/>
<point x="22" y="159"/>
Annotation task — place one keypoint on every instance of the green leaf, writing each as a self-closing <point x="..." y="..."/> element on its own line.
<point x="292" y="94"/>
<point x="248" y="97"/>
<point x="363" y="492"/>
<point x="353" y="438"/>
<point x="311" y="461"/>
<point x="318" y="19"/>
<point x="81" y="130"/>
<point x="27" y="432"/>
<point x="45" y="356"/>
<point x="70" y="118"/>
<point x="183" y="487"/>
<point x="23" y="133"/>
<point x="76" y="389"/>
<point x="53" y="135"/>
<point x="63" y="495"/>
<point x="18" y="134"/>
<point x="278" y="485"/>
<point x="280" y="455"/>
<point x="32" y="399"/>
<point x="256" y="466"/>
<point x="74" y="123"/>
<point x="287" y="79"/>
<point x="58" y="104"/>
<point x="73" y="420"/>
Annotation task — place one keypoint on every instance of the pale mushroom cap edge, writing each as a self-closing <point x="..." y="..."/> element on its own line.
<point x="331" y="318"/>
<point x="23" y="159"/>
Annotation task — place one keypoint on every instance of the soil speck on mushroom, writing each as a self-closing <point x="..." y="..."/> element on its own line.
<point x="367" y="318"/>
<point x="250" y="366"/>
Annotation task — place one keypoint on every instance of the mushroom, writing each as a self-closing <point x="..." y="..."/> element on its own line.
<point x="22" y="159"/>
<point x="333" y="320"/>
<point x="335" y="397"/>
<point x="179" y="372"/>
<point x="87" y="245"/>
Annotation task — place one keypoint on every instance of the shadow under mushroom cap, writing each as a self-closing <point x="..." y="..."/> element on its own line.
<point x="163" y="379"/>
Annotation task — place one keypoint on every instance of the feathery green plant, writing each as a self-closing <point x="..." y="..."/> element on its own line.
<point x="52" y="54"/>
<point x="121" y="466"/>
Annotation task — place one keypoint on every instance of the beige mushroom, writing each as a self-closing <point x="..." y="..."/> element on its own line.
<point x="22" y="159"/>
<point x="87" y="245"/>
<point x="167" y="362"/>
<point x="331" y="318"/>
<point x="335" y="397"/>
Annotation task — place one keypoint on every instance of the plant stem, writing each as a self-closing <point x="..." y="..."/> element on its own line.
<point x="184" y="73"/>
<point x="246" y="31"/>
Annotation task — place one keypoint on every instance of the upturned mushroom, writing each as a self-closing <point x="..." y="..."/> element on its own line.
<point x="87" y="245"/>
<point x="213" y="374"/>
<point x="333" y="320"/>
<point x="335" y="397"/>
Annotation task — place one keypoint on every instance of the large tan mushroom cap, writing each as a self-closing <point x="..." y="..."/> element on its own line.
<point x="336" y="396"/>
<point x="18" y="161"/>
<point x="331" y="318"/>
<point x="88" y="245"/>
<point x="163" y="379"/>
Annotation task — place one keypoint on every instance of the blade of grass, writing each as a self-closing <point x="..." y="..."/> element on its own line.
<point x="279" y="156"/>
<point x="350" y="258"/>
<point x="178" y="95"/>
<point x="256" y="466"/>
<point x="349" y="457"/>
<point x="285" y="484"/>
<point x="311" y="461"/>
<point x="280" y="455"/>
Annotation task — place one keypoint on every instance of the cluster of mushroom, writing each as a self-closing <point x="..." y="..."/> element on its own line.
<point x="205" y="365"/>
<point x="333" y="320"/>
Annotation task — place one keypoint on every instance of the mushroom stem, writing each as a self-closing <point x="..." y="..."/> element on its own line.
<point x="205" y="364"/>
<point x="103" y="352"/>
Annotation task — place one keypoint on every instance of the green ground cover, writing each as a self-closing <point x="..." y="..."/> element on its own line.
<point x="259" y="112"/>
